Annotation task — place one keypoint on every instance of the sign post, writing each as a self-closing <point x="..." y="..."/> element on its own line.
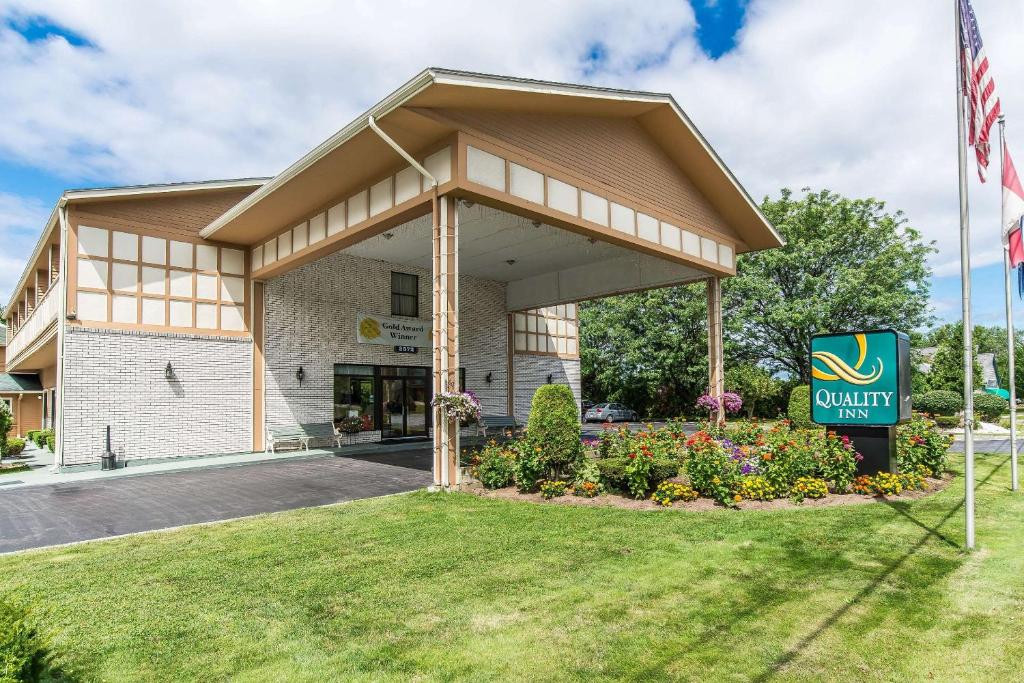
<point x="860" y="388"/>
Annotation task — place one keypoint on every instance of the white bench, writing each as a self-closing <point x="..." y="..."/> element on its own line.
<point x="303" y="434"/>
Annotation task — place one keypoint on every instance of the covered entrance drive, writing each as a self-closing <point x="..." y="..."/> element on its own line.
<point x="506" y="202"/>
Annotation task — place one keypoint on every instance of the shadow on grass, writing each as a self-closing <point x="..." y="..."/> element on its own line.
<point x="795" y="651"/>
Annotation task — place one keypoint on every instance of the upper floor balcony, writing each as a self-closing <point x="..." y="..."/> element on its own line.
<point x="32" y="334"/>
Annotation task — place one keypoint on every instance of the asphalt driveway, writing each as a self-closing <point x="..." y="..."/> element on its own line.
<point x="64" y="513"/>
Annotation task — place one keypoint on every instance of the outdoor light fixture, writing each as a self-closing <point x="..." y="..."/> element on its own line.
<point x="300" y="375"/>
<point x="550" y="377"/>
<point x="388" y="235"/>
<point x="72" y="315"/>
<point x="536" y="224"/>
<point x="510" y="261"/>
<point x="489" y="378"/>
<point x="467" y="203"/>
<point x="169" y="371"/>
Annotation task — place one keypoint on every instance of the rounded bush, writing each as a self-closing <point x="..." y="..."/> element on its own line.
<point x="613" y="471"/>
<point x="554" y="427"/>
<point x="990" y="407"/>
<point x="799" y="412"/>
<point x="939" y="402"/>
<point x="15" y="446"/>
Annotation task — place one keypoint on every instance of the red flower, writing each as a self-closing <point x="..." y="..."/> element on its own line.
<point x="632" y="456"/>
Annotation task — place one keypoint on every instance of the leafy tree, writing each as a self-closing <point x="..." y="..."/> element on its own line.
<point x="754" y="384"/>
<point x="647" y="350"/>
<point x="1003" y="365"/>
<point x="847" y="265"/>
<point x="947" y="371"/>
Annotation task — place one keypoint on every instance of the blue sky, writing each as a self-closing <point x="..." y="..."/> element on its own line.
<point x="790" y="96"/>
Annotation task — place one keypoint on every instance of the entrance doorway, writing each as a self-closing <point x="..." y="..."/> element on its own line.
<point x="405" y="407"/>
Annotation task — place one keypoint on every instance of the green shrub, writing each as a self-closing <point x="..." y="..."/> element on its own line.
<point x="15" y="445"/>
<point x="554" y="426"/>
<point x="496" y="469"/>
<point x="799" y="412"/>
<point x="552" y="489"/>
<point x="23" y="653"/>
<point x="712" y="471"/>
<point x="51" y="443"/>
<point x="939" y="402"/>
<point x="30" y="435"/>
<point x="6" y="422"/>
<point x="41" y="437"/>
<point x="528" y="467"/>
<point x="948" y="421"/>
<point x="990" y="407"/>
<point x="920" y="444"/>
<point x="613" y="471"/>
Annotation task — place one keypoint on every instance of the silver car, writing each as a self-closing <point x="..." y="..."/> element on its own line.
<point x="610" y="412"/>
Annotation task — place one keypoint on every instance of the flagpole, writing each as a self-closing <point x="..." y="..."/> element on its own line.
<point x="965" y="285"/>
<point x="1011" y="349"/>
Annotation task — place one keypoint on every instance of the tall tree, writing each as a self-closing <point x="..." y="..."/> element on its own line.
<point x="848" y="264"/>
<point x="947" y="367"/>
<point x="648" y="350"/>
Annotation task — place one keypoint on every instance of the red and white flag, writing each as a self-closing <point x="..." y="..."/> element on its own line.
<point x="978" y="86"/>
<point x="1013" y="210"/>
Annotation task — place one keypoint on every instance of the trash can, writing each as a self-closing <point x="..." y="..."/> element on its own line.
<point x="108" y="461"/>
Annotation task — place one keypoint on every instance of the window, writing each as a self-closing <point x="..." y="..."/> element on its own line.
<point x="353" y="394"/>
<point x="405" y="294"/>
<point x="552" y="330"/>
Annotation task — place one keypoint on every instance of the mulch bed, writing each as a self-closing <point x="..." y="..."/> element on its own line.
<point x="701" y="504"/>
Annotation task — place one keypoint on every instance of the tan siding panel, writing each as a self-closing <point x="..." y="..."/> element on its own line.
<point x="184" y="214"/>
<point x="616" y="153"/>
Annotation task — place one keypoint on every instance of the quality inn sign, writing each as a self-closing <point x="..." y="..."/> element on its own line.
<point x="860" y="378"/>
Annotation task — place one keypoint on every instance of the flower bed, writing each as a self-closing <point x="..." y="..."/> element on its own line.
<point x="745" y="464"/>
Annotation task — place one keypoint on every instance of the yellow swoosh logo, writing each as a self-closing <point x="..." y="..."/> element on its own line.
<point x="840" y="369"/>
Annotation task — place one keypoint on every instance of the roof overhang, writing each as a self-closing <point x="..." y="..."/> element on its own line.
<point x="356" y="154"/>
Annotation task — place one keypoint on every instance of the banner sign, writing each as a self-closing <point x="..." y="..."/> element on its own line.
<point x="860" y="378"/>
<point x="376" y="329"/>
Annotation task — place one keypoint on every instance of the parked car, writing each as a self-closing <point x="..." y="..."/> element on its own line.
<point x="610" y="412"/>
<point x="585" y="406"/>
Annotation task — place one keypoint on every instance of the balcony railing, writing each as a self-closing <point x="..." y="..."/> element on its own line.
<point x="42" y="317"/>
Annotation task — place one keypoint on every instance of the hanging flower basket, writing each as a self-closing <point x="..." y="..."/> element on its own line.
<point x="457" y="405"/>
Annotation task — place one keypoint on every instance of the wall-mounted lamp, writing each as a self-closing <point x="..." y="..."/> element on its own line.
<point x="550" y="378"/>
<point x="169" y="371"/>
<point x="510" y="261"/>
<point x="71" y="315"/>
<point x="300" y="375"/>
<point x="536" y="223"/>
<point x="467" y="203"/>
<point x="489" y="378"/>
<point x="388" y="235"/>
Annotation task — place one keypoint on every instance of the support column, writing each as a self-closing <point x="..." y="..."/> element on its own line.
<point x="258" y="367"/>
<point x="716" y="360"/>
<point x="445" y="336"/>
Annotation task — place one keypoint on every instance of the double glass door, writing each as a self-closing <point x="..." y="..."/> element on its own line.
<point x="405" y="407"/>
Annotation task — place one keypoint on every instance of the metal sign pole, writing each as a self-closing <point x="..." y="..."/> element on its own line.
<point x="1011" y="349"/>
<point x="965" y="284"/>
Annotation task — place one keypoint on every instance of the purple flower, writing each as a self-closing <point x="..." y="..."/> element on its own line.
<point x="748" y="468"/>
<point x="732" y="402"/>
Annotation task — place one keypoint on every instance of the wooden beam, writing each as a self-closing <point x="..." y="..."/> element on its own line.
<point x="716" y="361"/>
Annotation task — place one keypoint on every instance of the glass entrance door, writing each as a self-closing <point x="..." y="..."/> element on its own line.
<point x="405" y="407"/>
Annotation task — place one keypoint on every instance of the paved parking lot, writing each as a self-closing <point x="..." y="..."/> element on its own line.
<point x="79" y="511"/>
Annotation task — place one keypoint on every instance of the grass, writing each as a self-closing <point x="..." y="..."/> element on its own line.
<point x="435" y="586"/>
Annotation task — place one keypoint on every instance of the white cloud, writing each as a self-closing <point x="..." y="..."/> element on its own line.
<point x="21" y="220"/>
<point x="857" y="97"/>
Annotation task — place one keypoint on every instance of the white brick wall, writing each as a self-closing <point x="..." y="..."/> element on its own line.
<point x="117" y="378"/>
<point x="310" y="322"/>
<point x="532" y="371"/>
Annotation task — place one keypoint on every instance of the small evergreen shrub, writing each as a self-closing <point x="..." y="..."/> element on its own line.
<point x="528" y="467"/>
<point x="947" y="421"/>
<point x="51" y="443"/>
<point x="613" y="472"/>
<point x="939" y="402"/>
<point x="799" y="411"/>
<point x="15" y="445"/>
<point x="23" y="653"/>
<point x="990" y="407"/>
<point x="554" y="427"/>
<point x="6" y="422"/>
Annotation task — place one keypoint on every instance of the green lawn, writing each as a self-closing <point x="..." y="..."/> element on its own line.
<point x="435" y="586"/>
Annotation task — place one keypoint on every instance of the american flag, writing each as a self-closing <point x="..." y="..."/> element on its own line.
<point x="978" y="86"/>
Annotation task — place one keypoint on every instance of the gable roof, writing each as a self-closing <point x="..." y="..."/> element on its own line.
<point x="435" y="88"/>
